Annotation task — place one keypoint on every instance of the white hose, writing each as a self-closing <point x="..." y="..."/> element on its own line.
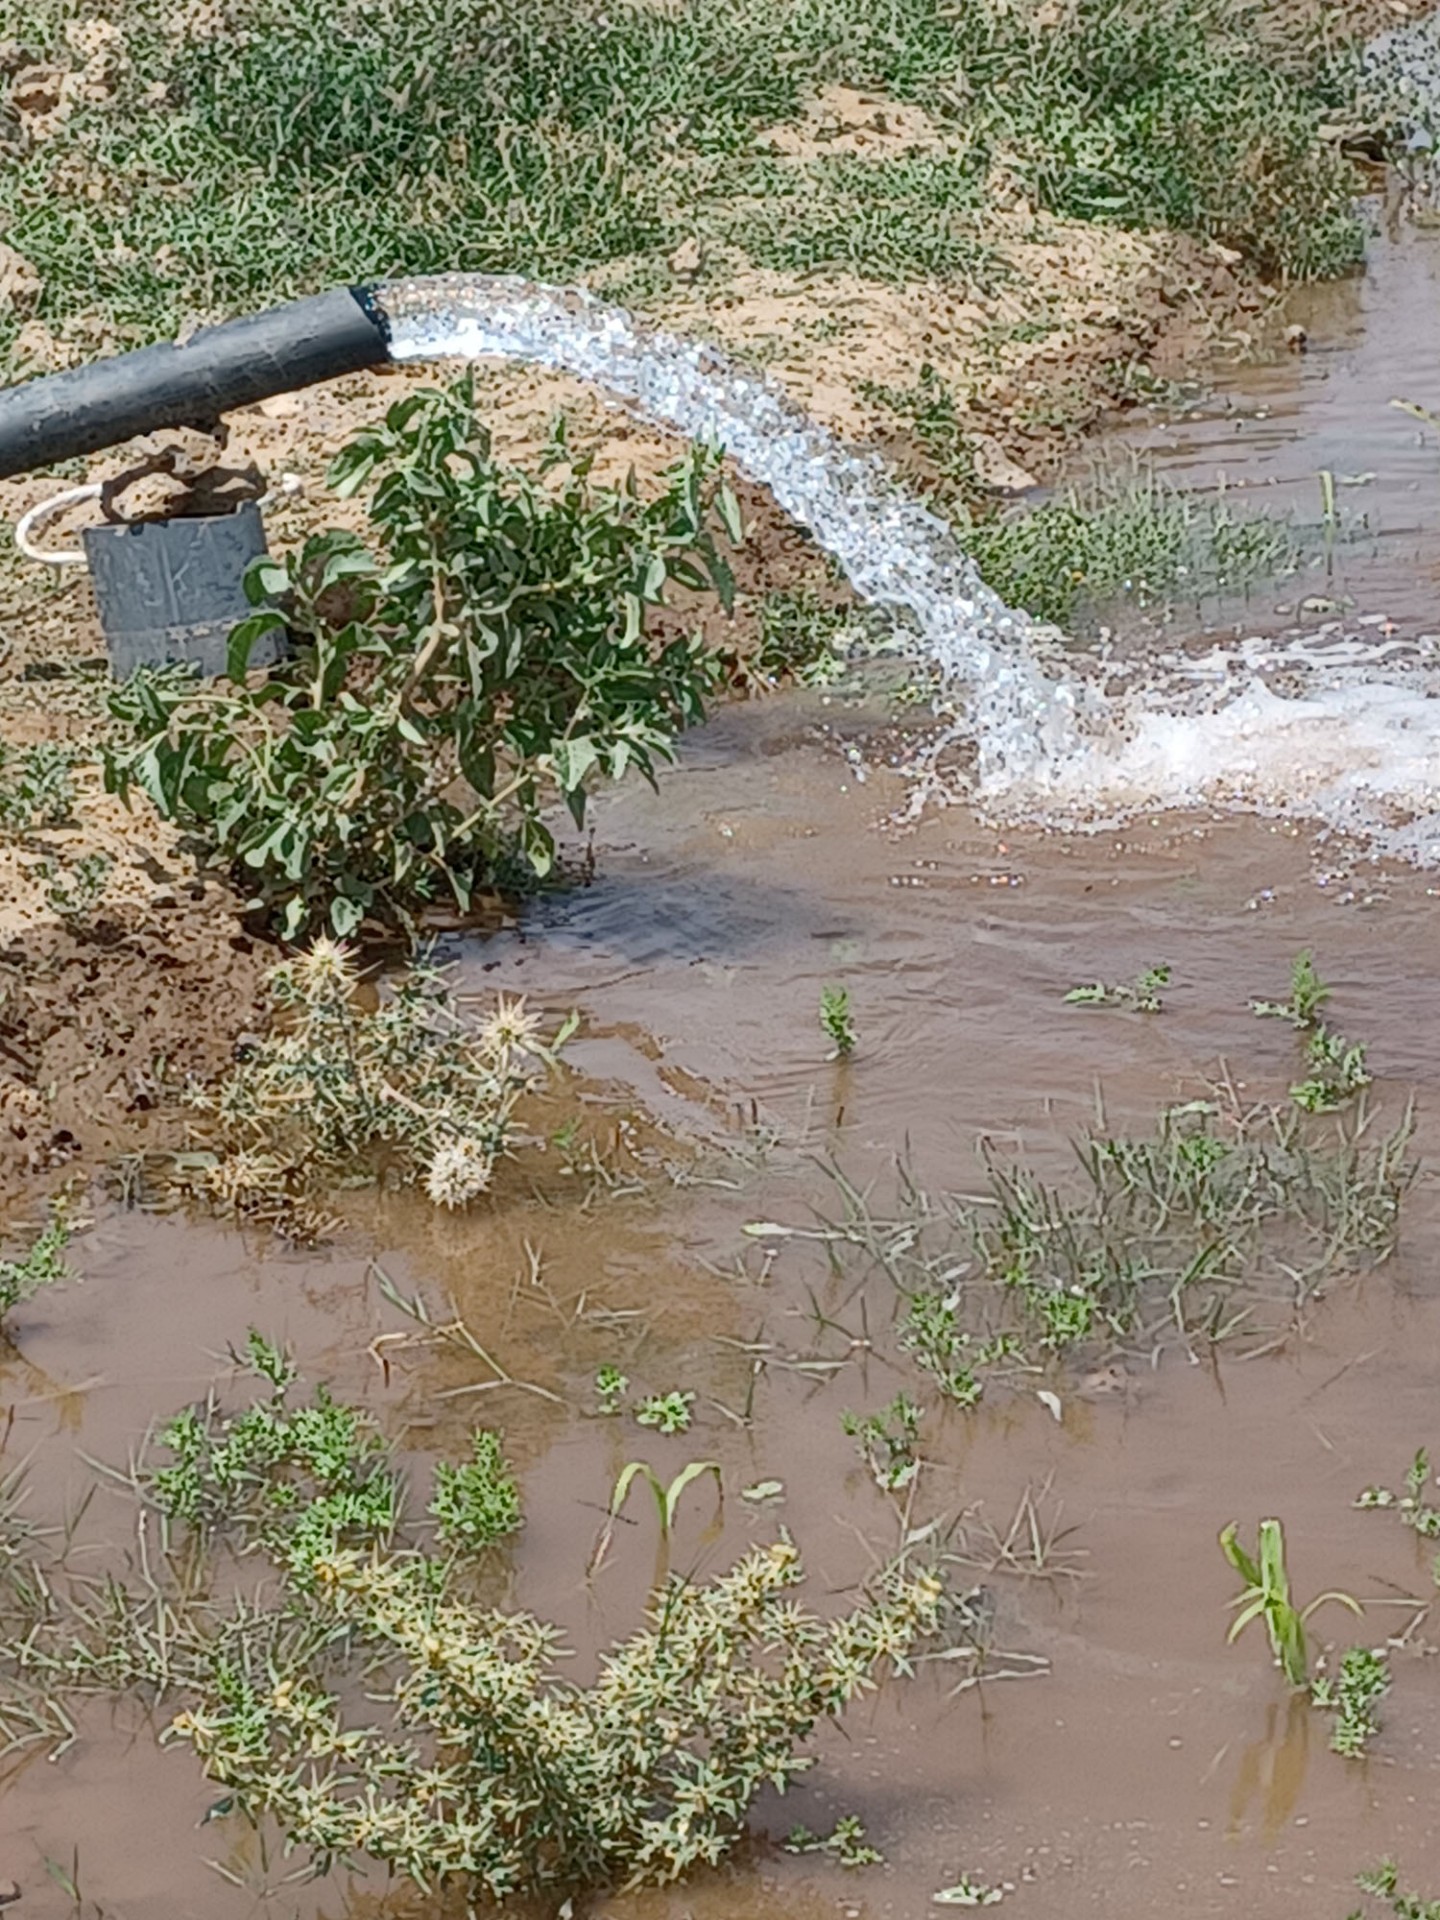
<point x="53" y="556"/>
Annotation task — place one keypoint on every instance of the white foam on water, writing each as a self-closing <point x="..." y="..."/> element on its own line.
<point x="1334" y="727"/>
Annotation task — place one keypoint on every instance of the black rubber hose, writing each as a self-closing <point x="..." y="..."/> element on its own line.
<point x="64" y="415"/>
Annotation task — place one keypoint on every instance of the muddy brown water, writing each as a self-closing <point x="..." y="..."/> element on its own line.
<point x="1133" y="1763"/>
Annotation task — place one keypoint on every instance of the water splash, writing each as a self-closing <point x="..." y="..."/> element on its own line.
<point x="1024" y="725"/>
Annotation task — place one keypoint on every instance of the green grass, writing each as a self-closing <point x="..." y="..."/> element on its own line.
<point x="284" y="148"/>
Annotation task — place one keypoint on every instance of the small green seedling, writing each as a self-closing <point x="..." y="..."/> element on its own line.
<point x="835" y="1019"/>
<point x="611" y="1386"/>
<point x="1415" y="1512"/>
<point x="1337" y="1072"/>
<point x="666" y="1412"/>
<point x="1142" y="995"/>
<point x="44" y="1266"/>
<point x="667" y="1499"/>
<point x="1352" y="1695"/>
<point x="968" y="1893"/>
<point x="1308" y="993"/>
<point x="1384" y="1883"/>
<point x="1267" y="1597"/>
<point x="846" y="1844"/>
<point x="886" y="1442"/>
<point x="477" y="1503"/>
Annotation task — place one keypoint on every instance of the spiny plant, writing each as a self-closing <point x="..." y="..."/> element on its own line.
<point x="490" y="654"/>
<point x="335" y="1082"/>
<point x="1142" y="995"/>
<point x="1352" y="1694"/>
<point x="44" y="1265"/>
<point x="1267" y="1597"/>
<point x="836" y="1021"/>
<point x="886" y="1442"/>
<point x="534" y="1785"/>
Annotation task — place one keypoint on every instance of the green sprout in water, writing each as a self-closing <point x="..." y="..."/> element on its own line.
<point x="1383" y="1883"/>
<point x="1308" y="993"/>
<point x="1267" y="1596"/>
<point x="1414" y="1510"/>
<point x="886" y="1442"/>
<point x="1142" y="995"/>
<point x="1337" y="1072"/>
<point x="835" y="1019"/>
<point x="44" y="1266"/>
<point x="846" y="1844"/>
<point x="666" y="1412"/>
<point x="1352" y="1695"/>
<point x="477" y="1503"/>
<point x="611" y="1386"/>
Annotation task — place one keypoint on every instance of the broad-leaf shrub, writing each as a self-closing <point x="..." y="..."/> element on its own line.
<point x="485" y="655"/>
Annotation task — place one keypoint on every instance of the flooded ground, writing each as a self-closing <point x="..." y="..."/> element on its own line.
<point x="1122" y="1759"/>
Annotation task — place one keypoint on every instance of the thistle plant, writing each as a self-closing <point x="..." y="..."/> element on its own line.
<point x="498" y="1777"/>
<point x="335" y="1082"/>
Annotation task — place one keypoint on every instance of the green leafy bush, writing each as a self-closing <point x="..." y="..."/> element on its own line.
<point x="488" y="656"/>
<point x="476" y="1503"/>
<point x="295" y="1482"/>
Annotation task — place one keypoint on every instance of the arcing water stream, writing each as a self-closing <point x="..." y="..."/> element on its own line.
<point x="1353" y="744"/>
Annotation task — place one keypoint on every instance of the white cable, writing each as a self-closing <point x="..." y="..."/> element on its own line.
<point x="54" y="556"/>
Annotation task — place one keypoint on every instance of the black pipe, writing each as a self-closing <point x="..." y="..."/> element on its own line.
<point x="63" y="415"/>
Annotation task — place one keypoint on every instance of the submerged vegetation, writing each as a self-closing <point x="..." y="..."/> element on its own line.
<point x="1221" y="1226"/>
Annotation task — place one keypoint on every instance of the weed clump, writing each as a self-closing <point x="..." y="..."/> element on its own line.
<point x="44" y="1265"/>
<point x="487" y="656"/>
<point x="366" y="1701"/>
<point x="336" y="1087"/>
<point x="1219" y="1226"/>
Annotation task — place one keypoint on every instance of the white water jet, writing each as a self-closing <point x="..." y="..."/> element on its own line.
<point x="894" y="552"/>
<point x="1353" y="750"/>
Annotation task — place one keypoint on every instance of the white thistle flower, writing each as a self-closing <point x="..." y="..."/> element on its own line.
<point x="510" y="1028"/>
<point x="459" y="1172"/>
